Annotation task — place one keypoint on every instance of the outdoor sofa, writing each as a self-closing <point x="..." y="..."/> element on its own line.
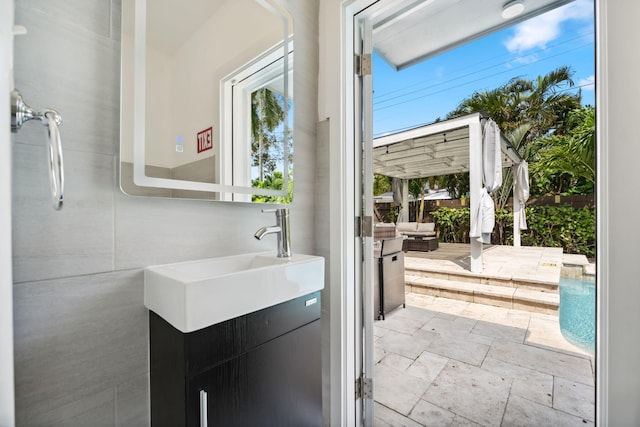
<point x="417" y="236"/>
<point x="416" y="229"/>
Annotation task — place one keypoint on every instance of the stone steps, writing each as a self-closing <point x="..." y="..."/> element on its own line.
<point x="534" y="284"/>
<point x="521" y="298"/>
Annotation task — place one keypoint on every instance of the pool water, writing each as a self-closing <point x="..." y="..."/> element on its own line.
<point x="578" y="312"/>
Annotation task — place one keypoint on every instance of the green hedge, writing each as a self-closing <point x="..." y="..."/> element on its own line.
<point x="552" y="226"/>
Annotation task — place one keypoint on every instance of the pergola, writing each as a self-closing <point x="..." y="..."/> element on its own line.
<point x="443" y="148"/>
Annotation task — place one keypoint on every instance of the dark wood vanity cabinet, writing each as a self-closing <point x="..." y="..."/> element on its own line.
<point x="260" y="369"/>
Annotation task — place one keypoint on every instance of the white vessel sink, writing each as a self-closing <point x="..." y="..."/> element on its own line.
<point x="195" y="294"/>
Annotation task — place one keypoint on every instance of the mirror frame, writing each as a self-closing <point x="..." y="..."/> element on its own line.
<point x="225" y="191"/>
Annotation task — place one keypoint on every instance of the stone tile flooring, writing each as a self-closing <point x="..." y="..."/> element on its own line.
<point x="442" y="362"/>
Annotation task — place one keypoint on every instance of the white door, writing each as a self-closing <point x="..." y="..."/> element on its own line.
<point x="363" y="93"/>
<point x="7" y="417"/>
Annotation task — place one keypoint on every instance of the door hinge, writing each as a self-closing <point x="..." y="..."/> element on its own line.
<point x="363" y="64"/>
<point x="364" y="387"/>
<point x="364" y="226"/>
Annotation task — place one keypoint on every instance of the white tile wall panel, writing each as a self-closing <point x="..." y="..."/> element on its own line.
<point x="76" y="337"/>
<point x="75" y="71"/>
<point x="75" y="240"/>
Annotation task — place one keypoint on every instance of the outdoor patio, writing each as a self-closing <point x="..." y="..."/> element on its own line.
<point x="445" y="362"/>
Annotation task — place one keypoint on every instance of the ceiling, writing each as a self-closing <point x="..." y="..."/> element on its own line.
<point x="440" y="148"/>
<point x="170" y="23"/>
<point x="406" y="32"/>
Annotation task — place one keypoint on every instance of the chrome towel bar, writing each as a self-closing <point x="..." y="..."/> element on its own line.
<point x="22" y="113"/>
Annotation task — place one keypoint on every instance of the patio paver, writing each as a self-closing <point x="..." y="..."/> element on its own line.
<point x="450" y="363"/>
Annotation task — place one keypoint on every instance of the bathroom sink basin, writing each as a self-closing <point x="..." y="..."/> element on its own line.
<point x="195" y="294"/>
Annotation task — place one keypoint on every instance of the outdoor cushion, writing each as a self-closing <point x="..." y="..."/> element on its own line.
<point x="414" y="229"/>
<point x="404" y="227"/>
<point x="426" y="226"/>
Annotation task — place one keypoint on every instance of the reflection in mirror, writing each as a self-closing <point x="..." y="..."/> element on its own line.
<point x="256" y="119"/>
<point x="206" y="102"/>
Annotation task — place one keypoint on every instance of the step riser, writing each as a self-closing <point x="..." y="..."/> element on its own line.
<point x="479" y="298"/>
<point x="534" y="286"/>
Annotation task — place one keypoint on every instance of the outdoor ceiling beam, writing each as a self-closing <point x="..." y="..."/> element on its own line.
<point x="417" y="162"/>
<point x="446" y="126"/>
<point x="422" y="171"/>
<point x="421" y="174"/>
<point x="416" y="158"/>
<point x="452" y="144"/>
<point x="455" y="151"/>
<point x="381" y="154"/>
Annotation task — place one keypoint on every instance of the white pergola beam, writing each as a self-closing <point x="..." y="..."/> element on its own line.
<point x="475" y="186"/>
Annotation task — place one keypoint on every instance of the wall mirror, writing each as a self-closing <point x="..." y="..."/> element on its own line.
<point x="207" y="100"/>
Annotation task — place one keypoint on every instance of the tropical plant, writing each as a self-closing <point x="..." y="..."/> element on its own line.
<point x="524" y="110"/>
<point x="543" y="104"/>
<point x="548" y="226"/>
<point x="381" y="184"/>
<point x="517" y="138"/>
<point x="452" y="225"/>
<point x="566" y="163"/>
<point x="456" y="184"/>
<point x="267" y="114"/>
<point x="273" y="182"/>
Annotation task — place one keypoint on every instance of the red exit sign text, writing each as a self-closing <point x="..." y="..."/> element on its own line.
<point x="205" y="140"/>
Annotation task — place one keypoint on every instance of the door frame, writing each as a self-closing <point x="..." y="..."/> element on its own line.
<point x="348" y="182"/>
<point x="363" y="202"/>
<point x="7" y="398"/>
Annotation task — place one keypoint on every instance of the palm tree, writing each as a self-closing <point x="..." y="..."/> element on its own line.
<point x="526" y="110"/>
<point x="517" y="138"/>
<point x="543" y="103"/>
<point x="267" y="114"/>
<point x="417" y="188"/>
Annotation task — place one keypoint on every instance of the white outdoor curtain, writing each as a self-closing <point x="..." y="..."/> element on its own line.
<point x="397" y="186"/>
<point x="482" y="227"/>
<point x="521" y="190"/>
<point x="491" y="157"/>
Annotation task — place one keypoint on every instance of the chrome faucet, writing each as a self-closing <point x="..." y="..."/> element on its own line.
<point x="281" y="229"/>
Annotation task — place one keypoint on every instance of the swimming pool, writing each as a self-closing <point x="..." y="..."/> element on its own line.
<point x="578" y="312"/>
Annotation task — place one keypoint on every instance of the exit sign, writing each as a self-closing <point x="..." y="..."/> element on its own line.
<point x="205" y="140"/>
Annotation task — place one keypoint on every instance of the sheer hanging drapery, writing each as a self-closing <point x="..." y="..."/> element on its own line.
<point x="397" y="186"/>
<point x="482" y="227"/>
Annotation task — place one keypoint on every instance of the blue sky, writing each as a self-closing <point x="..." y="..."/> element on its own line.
<point x="429" y="90"/>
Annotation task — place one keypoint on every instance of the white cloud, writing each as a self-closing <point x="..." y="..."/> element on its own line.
<point x="587" y="83"/>
<point x="525" y="59"/>
<point x="537" y="32"/>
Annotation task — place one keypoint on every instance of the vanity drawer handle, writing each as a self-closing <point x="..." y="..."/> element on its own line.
<point x="203" y="409"/>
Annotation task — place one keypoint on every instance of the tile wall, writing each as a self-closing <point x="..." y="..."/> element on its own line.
<point x="81" y="333"/>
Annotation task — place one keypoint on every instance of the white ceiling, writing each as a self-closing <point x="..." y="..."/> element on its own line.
<point x="409" y="31"/>
<point x="170" y="23"/>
